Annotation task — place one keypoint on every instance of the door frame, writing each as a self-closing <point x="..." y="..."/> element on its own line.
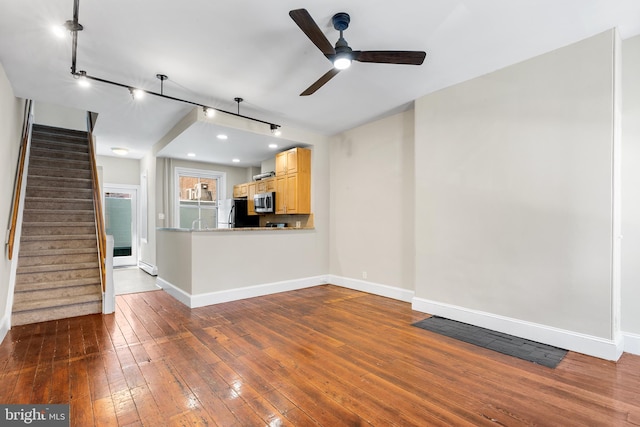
<point x="135" y="219"/>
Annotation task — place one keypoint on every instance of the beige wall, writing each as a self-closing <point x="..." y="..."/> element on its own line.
<point x="631" y="185"/>
<point x="175" y="260"/>
<point x="514" y="191"/>
<point x="371" y="199"/>
<point x="235" y="259"/>
<point x="118" y="170"/>
<point x="11" y="118"/>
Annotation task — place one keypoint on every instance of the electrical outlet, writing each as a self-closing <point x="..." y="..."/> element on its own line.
<point x="364" y="274"/>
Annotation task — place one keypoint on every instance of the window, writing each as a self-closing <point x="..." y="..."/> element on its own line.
<point x="198" y="193"/>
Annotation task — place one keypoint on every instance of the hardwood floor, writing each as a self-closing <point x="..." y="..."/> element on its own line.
<point x="319" y="356"/>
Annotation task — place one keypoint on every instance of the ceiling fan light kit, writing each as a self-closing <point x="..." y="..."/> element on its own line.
<point x="342" y="55"/>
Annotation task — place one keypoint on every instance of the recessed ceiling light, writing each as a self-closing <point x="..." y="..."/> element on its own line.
<point x="222" y="136"/>
<point x="191" y="154"/>
<point x="273" y="145"/>
<point x="120" y="151"/>
<point x="236" y="160"/>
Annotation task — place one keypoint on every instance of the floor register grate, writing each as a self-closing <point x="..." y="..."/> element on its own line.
<point x="521" y="348"/>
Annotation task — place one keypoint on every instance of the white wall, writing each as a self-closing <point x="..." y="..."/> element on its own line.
<point x="371" y="227"/>
<point x="147" y="253"/>
<point x="11" y="118"/>
<point x="631" y="186"/>
<point x="59" y="116"/>
<point x="118" y="170"/>
<point x="514" y="191"/>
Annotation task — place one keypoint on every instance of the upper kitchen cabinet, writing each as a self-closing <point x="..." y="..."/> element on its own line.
<point x="293" y="181"/>
<point x="240" y="190"/>
<point x="266" y="185"/>
<point x="293" y="161"/>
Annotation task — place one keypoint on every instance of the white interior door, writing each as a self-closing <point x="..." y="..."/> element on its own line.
<point x="121" y="222"/>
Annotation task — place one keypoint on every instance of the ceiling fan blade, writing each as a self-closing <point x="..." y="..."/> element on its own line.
<point x="390" y="56"/>
<point x="311" y="29"/>
<point x="320" y="82"/>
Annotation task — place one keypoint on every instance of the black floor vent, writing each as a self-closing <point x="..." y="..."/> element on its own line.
<point x="532" y="351"/>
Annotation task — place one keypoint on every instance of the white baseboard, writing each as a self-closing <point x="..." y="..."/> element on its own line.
<point x="174" y="291"/>
<point x="631" y="343"/>
<point x="148" y="268"/>
<point x="400" y="294"/>
<point x="569" y="340"/>
<point x="201" y="300"/>
<point x="4" y="327"/>
<point x="209" y="298"/>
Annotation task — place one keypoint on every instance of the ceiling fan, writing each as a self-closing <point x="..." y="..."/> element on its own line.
<point x="342" y="55"/>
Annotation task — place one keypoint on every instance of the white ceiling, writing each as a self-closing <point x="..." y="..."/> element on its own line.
<point x="215" y="51"/>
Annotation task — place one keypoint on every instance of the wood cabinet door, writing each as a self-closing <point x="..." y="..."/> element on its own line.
<point x="251" y="191"/>
<point x="240" y="190"/>
<point x="291" y="202"/>
<point x="271" y="184"/>
<point x="261" y="187"/>
<point x="281" y="193"/>
<point x="281" y="163"/>
<point x="292" y="160"/>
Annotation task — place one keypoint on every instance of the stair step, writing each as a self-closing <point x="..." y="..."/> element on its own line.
<point x="58" y="173"/>
<point x="45" y="215"/>
<point x="75" y="310"/>
<point x="56" y="256"/>
<point x="57" y="276"/>
<point x="57" y="237"/>
<point x="55" y="162"/>
<point x="78" y="139"/>
<point x="60" y="144"/>
<point x="57" y="204"/>
<point x="55" y="268"/>
<point x="46" y="298"/>
<point x="58" y="182"/>
<point x="59" y="193"/>
<point x="53" y="130"/>
<point x="31" y="246"/>
<point x="70" y="229"/>
<point x="41" y="151"/>
<point x="38" y="286"/>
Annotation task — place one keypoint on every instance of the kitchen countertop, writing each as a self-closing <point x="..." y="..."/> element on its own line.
<point x="226" y="230"/>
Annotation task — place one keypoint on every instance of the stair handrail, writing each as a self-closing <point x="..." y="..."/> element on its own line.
<point x="97" y="203"/>
<point x="24" y="144"/>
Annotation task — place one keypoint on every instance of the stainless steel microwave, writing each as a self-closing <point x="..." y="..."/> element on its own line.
<point x="264" y="202"/>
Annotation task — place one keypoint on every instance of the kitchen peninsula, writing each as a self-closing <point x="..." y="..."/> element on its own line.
<point x="209" y="266"/>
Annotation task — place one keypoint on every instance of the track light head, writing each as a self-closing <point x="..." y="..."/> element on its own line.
<point x="136" y="94"/>
<point x="81" y="76"/>
<point x="73" y="26"/>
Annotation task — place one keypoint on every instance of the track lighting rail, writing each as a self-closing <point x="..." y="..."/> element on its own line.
<point x="74" y="26"/>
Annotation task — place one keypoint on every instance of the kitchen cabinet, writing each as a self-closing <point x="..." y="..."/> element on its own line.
<point x="293" y="160"/>
<point x="240" y="190"/>
<point x="251" y="191"/>
<point x="266" y="185"/>
<point x="293" y="183"/>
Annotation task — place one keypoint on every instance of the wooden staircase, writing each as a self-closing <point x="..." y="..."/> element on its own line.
<point x="58" y="273"/>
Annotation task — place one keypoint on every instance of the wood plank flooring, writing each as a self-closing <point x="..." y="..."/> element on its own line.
<point x="320" y="356"/>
